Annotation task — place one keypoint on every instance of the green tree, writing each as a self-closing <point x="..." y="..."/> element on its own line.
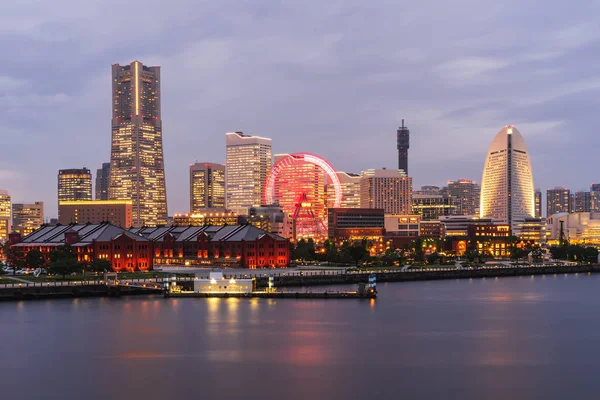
<point x="63" y="261"/>
<point x="35" y="259"/>
<point x="358" y="251"/>
<point x="99" y="265"/>
<point x="590" y="254"/>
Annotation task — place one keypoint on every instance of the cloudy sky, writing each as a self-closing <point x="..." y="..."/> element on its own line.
<point x="330" y="77"/>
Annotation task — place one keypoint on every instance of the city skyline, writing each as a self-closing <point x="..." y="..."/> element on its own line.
<point x="338" y="93"/>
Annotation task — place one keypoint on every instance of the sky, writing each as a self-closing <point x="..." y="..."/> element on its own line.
<point x="334" y="78"/>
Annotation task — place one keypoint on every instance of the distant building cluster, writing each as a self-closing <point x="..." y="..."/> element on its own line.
<point x="246" y="209"/>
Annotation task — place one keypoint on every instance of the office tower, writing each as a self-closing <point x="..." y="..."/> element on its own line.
<point x="137" y="169"/>
<point x="102" y="176"/>
<point x="390" y="190"/>
<point x="403" y="141"/>
<point x="27" y="217"/>
<point x="350" y="190"/>
<point x="74" y="184"/>
<point x="433" y="206"/>
<point x="207" y="187"/>
<point x="507" y="191"/>
<point x="583" y="201"/>
<point x="5" y="219"/>
<point x="595" y="197"/>
<point x="429" y="190"/>
<point x="538" y="203"/>
<point x="558" y="200"/>
<point x="116" y="212"/>
<point x="248" y="161"/>
<point x="465" y="196"/>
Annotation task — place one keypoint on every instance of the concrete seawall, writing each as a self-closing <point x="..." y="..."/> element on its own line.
<point x="355" y="278"/>
<point x="58" y="292"/>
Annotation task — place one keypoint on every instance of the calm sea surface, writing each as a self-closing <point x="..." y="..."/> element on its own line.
<point x="510" y="338"/>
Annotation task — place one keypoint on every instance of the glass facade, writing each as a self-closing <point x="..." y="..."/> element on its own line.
<point x="102" y="176"/>
<point x="137" y="171"/>
<point x="558" y="200"/>
<point x="389" y="190"/>
<point x="507" y="190"/>
<point x="27" y="217"/>
<point x="74" y="184"/>
<point x="248" y="161"/>
<point x="465" y="196"/>
<point x="207" y="187"/>
<point x="5" y="221"/>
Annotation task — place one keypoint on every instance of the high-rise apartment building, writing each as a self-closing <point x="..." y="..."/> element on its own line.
<point x="74" y="184"/>
<point x="102" y="179"/>
<point x="5" y="218"/>
<point x="583" y="201"/>
<point x="27" y="217"/>
<point x="465" y="196"/>
<point x="595" y="197"/>
<point x="558" y="200"/>
<point x="207" y="187"/>
<point x="350" y="184"/>
<point x="507" y="190"/>
<point x="538" y="203"/>
<point x="390" y="190"/>
<point x="137" y="169"/>
<point x="403" y="144"/>
<point x="248" y="161"/>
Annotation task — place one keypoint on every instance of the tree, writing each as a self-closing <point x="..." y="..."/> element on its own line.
<point x="99" y="265"/>
<point x="35" y="259"/>
<point x="590" y="254"/>
<point x="14" y="258"/>
<point x="63" y="261"/>
<point x="358" y="251"/>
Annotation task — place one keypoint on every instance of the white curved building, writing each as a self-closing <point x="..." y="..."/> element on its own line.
<point x="507" y="191"/>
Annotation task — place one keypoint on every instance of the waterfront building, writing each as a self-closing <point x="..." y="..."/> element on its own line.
<point x="228" y="246"/>
<point x="532" y="230"/>
<point x="102" y="181"/>
<point x="350" y="189"/>
<point x="5" y="216"/>
<point x="116" y="212"/>
<point x="507" y="190"/>
<point x="355" y="223"/>
<point x="207" y="187"/>
<point x="432" y="206"/>
<point x="248" y="161"/>
<point x="583" y="202"/>
<point x="74" y="184"/>
<point x="390" y="190"/>
<point x="206" y="218"/>
<point x="465" y="196"/>
<point x="137" y="170"/>
<point x="538" y="203"/>
<point x="125" y="250"/>
<point x="489" y="238"/>
<point x="403" y="144"/>
<point x="558" y="200"/>
<point x="402" y="225"/>
<point x="216" y="283"/>
<point x="579" y="228"/>
<point x="431" y="229"/>
<point x="26" y="218"/>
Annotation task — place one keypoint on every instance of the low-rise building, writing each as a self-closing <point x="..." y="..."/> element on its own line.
<point x="217" y="283"/>
<point x="577" y="228"/>
<point x="431" y="229"/>
<point x="355" y="224"/>
<point x="208" y="218"/>
<point x="116" y="212"/>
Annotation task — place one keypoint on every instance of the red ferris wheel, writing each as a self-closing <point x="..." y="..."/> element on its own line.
<point x="297" y="183"/>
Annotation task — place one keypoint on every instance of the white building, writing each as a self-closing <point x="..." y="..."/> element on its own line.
<point x="248" y="161"/>
<point x="578" y="228"/>
<point x="216" y="283"/>
<point x="507" y="190"/>
<point x="387" y="189"/>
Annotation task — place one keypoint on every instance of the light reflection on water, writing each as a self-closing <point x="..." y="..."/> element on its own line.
<point x="528" y="337"/>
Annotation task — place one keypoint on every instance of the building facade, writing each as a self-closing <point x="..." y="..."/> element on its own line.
<point x="102" y="181"/>
<point x="248" y="161"/>
<point x="390" y="190"/>
<point x="26" y="218"/>
<point x="74" y="184"/>
<point x="403" y="144"/>
<point x="507" y="190"/>
<point x="558" y="200"/>
<point x="207" y="218"/>
<point x="137" y="169"/>
<point x="402" y="225"/>
<point x="432" y="206"/>
<point x="350" y="190"/>
<point x="5" y="216"/>
<point x="583" y="202"/>
<point x="207" y="187"/>
<point x="579" y="228"/>
<point x="465" y="196"/>
<point x="115" y="212"/>
<point x="538" y="203"/>
<point x="355" y="223"/>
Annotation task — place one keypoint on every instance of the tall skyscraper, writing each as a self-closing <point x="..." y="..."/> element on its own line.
<point x="465" y="196"/>
<point x="595" y="197"/>
<point x="248" y="161"/>
<point x="403" y="142"/>
<point x="538" y="203"/>
<point x="5" y="218"/>
<point x="388" y="189"/>
<point x="74" y="184"/>
<point x="137" y="168"/>
<point x="207" y="187"/>
<point x="558" y="200"/>
<point x="583" y="201"/>
<point x="102" y="176"/>
<point x="507" y="190"/>
<point x="27" y="217"/>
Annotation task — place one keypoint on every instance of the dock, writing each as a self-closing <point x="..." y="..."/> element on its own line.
<point x="278" y="295"/>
